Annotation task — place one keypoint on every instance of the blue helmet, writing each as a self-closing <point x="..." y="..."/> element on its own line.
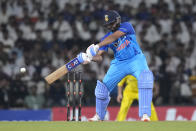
<point x="111" y="16"/>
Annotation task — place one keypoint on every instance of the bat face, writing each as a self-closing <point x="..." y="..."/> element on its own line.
<point x="62" y="70"/>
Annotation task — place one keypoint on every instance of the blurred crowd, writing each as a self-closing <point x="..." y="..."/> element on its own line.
<point x="42" y="35"/>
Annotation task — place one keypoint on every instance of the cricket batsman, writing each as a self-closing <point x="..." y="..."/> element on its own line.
<point x="130" y="93"/>
<point x="128" y="60"/>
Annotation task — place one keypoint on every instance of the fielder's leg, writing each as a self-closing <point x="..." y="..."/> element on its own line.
<point x="154" y="116"/>
<point x="145" y="86"/>
<point x="125" y="105"/>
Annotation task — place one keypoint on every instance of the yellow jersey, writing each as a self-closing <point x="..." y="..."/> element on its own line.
<point x="130" y="82"/>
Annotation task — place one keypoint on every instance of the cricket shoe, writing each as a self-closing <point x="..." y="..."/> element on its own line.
<point x="95" y="118"/>
<point x="145" y="118"/>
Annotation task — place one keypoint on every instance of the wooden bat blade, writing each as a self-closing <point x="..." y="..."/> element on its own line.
<point x="56" y="74"/>
<point x="62" y="70"/>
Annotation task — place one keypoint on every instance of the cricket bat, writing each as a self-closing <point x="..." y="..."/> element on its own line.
<point x="62" y="71"/>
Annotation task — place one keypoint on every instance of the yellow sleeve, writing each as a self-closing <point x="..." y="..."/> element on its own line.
<point x="122" y="82"/>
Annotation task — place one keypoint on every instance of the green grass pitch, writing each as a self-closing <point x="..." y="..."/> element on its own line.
<point x="99" y="126"/>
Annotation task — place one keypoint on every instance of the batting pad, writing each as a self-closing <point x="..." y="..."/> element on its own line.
<point x="145" y="86"/>
<point x="101" y="90"/>
<point x="102" y="99"/>
<point x="145" y="79"/>
<point x="145" y="99"/>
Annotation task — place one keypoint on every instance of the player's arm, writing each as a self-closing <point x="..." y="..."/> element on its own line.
<point x="120" y="89"/>
<point x="93" y="49"/>
<point x="125" y="28"/>
<point x="111" y="38"/>
<point x="98" y="57"/>
<point x="120" y="95"/>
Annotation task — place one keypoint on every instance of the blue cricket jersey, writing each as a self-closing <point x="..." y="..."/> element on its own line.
<point x="125" y="47"/>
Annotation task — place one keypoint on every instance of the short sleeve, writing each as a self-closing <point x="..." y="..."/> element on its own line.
<point x="105" y="48"/>
<point x="127" y="28"/>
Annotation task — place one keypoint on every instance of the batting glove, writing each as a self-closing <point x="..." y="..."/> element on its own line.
<point x="92" y="50"/>
<point x="83" y="58"/>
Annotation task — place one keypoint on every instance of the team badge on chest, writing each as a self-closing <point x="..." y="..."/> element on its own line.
<point x="116" y="44"/>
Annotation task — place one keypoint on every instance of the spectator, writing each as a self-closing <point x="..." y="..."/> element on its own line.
<point x="57" y="95"/>
<point x="4" y="91"/>
<point x="34" y="100"/>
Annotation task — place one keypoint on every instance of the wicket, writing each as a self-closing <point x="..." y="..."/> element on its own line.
<point x="74" y="95"/>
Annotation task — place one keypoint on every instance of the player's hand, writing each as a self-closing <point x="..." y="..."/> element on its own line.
<point x="119" y="98"/>
<point x="83" y="58"/>
<point x="92" y="51"/>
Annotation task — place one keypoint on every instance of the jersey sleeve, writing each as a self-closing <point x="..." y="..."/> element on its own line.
<point x="121" y="83"/>
<point x="105" y="48"/>
<point x="127" y="28"/>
